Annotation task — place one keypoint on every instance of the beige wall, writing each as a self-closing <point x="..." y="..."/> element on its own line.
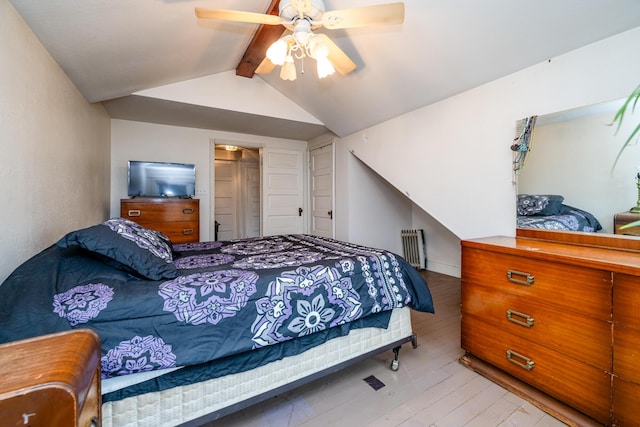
<point x="162" y="143"/>
<point x="55" y="148"/>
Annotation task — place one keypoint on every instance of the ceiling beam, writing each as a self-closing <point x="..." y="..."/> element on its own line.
<point x="262" y="39"/>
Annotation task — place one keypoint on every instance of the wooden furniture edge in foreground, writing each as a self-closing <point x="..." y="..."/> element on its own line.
<point x="609" y="241"/>
<point x="537" y="398"/>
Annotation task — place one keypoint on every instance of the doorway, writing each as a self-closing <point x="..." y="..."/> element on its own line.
<point x="237" y="192"/>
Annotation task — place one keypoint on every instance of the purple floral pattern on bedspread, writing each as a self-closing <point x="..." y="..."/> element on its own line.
<point x="208" y="297"/>
<point x="257" y="246"/>
<point x="302" y="302"/>
<point x="278" y="260"/>
<point x="196" y="246"/>
<point x="203" y="261"/>
<point x="82" y="303"/>
<point x="311" y="299"/>
<point x="139" y="354"/>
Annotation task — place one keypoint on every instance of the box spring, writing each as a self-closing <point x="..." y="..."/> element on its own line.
<point x="206" y="401"/>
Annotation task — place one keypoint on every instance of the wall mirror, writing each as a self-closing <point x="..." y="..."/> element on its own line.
<point x="572" y="154"/>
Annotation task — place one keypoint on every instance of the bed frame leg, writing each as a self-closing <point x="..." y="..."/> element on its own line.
<point x="395" y="363"/>
<point x="414" y="340"/>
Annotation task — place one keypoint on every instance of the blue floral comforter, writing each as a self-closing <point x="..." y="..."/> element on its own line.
<point x="228" y="298"/>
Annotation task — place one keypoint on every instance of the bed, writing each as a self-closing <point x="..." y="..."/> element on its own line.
<point x="192" y="332"/>
<point x="550" y="213"/>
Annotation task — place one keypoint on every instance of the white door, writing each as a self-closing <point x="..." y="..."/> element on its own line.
<point x="321" y="181"/>
<point x="283" y="200"/>
<point x="226" y="199"/>
<point x="251" y="192"/>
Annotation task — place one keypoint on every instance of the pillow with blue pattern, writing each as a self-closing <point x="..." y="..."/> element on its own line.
<point x="147" y="252"/>
<point x="539" y="204"/>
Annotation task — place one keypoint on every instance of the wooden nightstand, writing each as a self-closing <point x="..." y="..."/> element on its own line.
<point x="52" y="380"/>
<point x="624" y="218"/>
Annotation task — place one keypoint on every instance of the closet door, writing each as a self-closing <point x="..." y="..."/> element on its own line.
<point x="283" y="191"/>
<point x="226" y="198"/>
<point x="321" y="183"/>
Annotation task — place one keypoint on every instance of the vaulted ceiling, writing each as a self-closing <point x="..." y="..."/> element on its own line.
<point x="119" y="51"/>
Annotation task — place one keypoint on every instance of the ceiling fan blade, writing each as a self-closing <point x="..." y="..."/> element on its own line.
<point x="238" y="16"/>
<point x="265" y="67"/>
<point x="384" y="14"/>
<point x="340" y="61"/>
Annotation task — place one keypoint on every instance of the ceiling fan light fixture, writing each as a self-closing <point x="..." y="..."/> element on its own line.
<point x="288" y="69"/>
<point x="277" y="52"/>
<point x="325" y="67"/>
<point x="318" y="48"/>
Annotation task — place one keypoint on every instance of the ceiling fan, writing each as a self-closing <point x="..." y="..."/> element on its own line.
<point x="301" y="17"/>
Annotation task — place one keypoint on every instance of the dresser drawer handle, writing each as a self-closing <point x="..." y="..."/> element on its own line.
<point x="134" y="212"/>
<point x="520" y="360"/>
<point x="188" y="211"/>
<point x="520" y="278"/>
<point x="187" y="231"/>
<point x="515" y="316"/>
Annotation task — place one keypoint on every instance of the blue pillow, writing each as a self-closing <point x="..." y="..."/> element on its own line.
<point x="146" y="252"/>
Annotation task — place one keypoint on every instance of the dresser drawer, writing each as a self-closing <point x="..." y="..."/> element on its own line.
<point x="626" y="396"/>
<point x="581" y="386"/>
<point x="626" y="353"/>
<point x="178" y="232"/>
<point x="161" y="211"/>
<point x="581" y="337"/>
<point x="583" y="290"/>
<point x="626" y="300"/>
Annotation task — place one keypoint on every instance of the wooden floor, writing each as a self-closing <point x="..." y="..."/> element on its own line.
<point x="430" y="388"/>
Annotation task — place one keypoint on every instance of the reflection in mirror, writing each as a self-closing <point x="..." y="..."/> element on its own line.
<point x="572" y="154"/>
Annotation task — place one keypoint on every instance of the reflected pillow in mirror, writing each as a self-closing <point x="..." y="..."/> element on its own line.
<point x="539" y="204"/>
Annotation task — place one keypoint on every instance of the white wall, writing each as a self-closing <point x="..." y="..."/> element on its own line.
<point x="152" y="142"/>
<point x="369" y="211"/>
<point x="452" y="158"/>
<point x="54" y="167"/>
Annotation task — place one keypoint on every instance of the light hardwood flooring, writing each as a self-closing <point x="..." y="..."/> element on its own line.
<point x="429" y="389"/>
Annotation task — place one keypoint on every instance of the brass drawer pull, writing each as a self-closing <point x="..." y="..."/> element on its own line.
<point x="134" y="212"/>
<point x="523" y="362"/>
<point x="517" y="277"/>
<point x="188" y="211"/>
<point x="187" y="231"/>
<point x="515" y="316"/>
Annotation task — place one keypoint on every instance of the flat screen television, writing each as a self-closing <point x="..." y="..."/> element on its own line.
<point x="161" y="179"/>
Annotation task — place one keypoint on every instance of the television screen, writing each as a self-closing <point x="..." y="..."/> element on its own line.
<point x="156" y="179"/>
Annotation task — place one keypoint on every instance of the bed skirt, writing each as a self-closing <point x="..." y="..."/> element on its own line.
<point x="206" y="401"/>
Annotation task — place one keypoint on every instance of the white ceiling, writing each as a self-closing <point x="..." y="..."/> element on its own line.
<point x="112" y="49"/>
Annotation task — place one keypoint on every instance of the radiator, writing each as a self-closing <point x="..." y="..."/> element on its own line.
<point x="413" y="247"/>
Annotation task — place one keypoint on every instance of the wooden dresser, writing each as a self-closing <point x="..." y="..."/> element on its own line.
<point x="178" y="218"/>
<point x="52" y="380"/>
<point x="555" y="317"/>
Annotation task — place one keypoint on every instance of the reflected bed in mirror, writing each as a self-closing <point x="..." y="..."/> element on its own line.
<point x="571" y="155"/>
